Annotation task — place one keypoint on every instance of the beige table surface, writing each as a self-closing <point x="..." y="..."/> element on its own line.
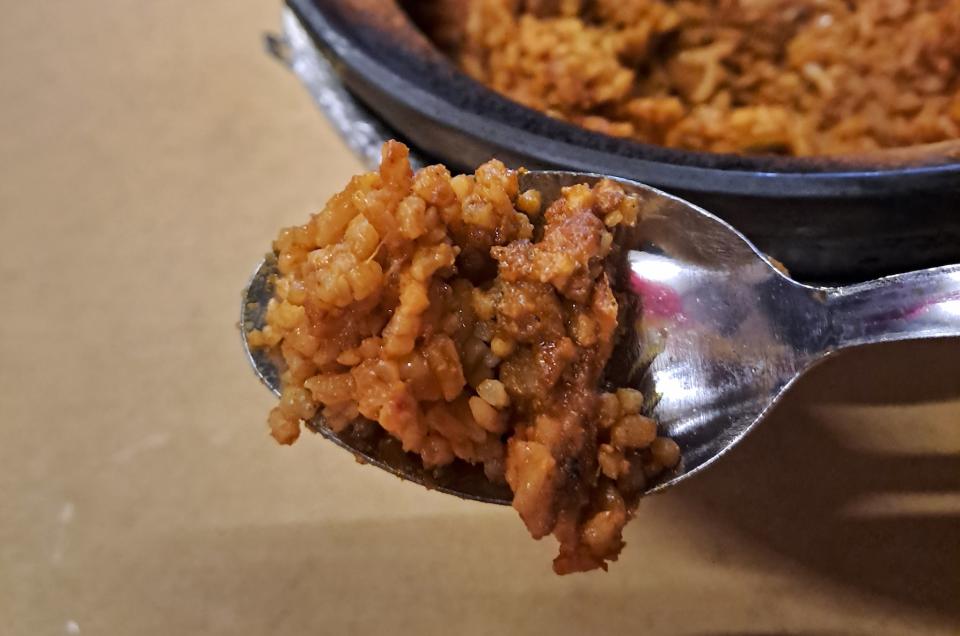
<point x="148" y="153"/>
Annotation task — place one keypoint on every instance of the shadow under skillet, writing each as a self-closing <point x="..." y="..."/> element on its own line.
<point x="790" y="484"/>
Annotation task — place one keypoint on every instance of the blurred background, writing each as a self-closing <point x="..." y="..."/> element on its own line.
<point x="149" y="153"/>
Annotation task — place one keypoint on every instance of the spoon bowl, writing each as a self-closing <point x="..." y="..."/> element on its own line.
<point x="722" y="332"/>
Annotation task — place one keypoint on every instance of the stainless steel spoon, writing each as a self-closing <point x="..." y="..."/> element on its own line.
<point x="722" y="334"/>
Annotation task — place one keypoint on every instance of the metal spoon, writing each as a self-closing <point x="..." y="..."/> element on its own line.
<point x="722" y="334"/>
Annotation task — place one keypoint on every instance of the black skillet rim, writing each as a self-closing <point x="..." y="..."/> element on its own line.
<point x="780" y="178"/>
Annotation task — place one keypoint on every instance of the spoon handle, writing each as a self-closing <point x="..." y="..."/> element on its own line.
<point x="923" y="304"/>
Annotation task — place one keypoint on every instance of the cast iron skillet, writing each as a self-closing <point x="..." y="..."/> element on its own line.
<point x="831" y="220"/>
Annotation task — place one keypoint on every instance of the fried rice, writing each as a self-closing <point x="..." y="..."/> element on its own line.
<point x="791" y="77"/>
<point x="474" y="326"/>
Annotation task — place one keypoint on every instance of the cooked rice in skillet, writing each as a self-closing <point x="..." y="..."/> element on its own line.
<point x="793" y="77"/>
